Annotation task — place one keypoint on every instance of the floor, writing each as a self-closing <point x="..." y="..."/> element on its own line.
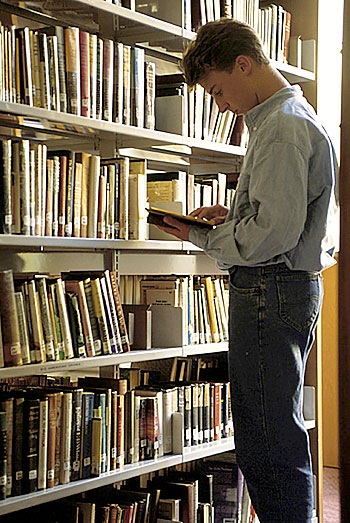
<point x="331" y="497"/>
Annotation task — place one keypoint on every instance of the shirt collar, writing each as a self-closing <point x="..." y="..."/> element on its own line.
<point x="255" y="116"/>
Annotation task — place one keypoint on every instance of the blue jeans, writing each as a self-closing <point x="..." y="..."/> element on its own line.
<point x="273" y="314"/>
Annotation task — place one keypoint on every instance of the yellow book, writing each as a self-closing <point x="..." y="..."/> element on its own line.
<point x="211" y="306"/>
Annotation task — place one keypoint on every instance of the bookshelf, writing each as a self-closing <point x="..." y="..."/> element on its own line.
<point x="130" y="257"/>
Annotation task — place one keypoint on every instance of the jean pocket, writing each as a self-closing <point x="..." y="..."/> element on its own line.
<point x="299" y="297"/>
<point x="242" y="283"/>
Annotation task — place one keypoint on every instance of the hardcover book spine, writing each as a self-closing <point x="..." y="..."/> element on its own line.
<point x="62" y="195"/>
<point x="96" y="446"/>
<point x="66" y="435"/>
<point x="70" y="194"/>
<point x="73" y="69"/>
<point x="3" y="455"/>
<point x="118" y="83"/>
<point x="84" y="47"/>
<point x="7" y="406"/>
<point x="93" y="196"/>
<point x="18" y="443"/>
<point x="55" y="195"/>
<point x="126" y="84"/>
<point x="88" y="407"/>
<point x="99" y="76"/>
<point x="30" y="468"/>
<point x="42" y="451"/>
<point x="77" y="196"/>
<point x="121" y="434"/>
<point x="49" y="198"/>
<point x="46" y="319"/>
<point x="62" y="309"/>
<point x="22" y="325"/>
<point x="76" y="434"/>
<point x="93" y="320"/>
<point x="51" y="439"/>
<point x="100" y="315"/>
<point x="6" y="196"/>
<point x="150" y="87"/>
<point x="85" y="158"/>
<point x="107" y="84"/>
<point x="10" y="329"/>
<point x="59" y="427"/>
<point x="61" y="68"/>
<point x="93" y="73"/>
<point x="24" y="184"/>
<point x="122" y="325"/>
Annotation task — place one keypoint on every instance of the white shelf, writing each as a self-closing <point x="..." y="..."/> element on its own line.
<point x="76" y="487"/>
<point x="127" y="472"/>
<point x="77" y="364"/>
<point x="208" y="449"/>
<point x="43" y="120"/>
<point x="205" y="348"/>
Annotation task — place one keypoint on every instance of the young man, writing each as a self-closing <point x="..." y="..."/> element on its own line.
<point x="275" y="240"/>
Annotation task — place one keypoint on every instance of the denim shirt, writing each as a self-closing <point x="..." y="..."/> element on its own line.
<point x="285" y="209"/>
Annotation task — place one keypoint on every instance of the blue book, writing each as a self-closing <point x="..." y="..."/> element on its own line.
<point x="100" y="406"/>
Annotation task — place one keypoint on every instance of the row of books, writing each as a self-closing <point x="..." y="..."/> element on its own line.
<point x="60" y="193"/>
<point x="193" y="113"/>
<point x="75" y="194"/>
<point x="70" y="70"/>
<point x="49" y="318"/>
<point x="203" y="304"/>
<point x="207" y="491"/>
<point x="57" y="433"/>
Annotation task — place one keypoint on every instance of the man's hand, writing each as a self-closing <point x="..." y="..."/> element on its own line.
<point x="176" y="228"/>
<point x="216" y="213"/>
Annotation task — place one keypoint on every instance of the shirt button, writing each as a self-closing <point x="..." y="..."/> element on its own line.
<point x="255" y="128"/>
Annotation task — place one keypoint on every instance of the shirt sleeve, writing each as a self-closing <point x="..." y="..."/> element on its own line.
<point x="270" y="210"/>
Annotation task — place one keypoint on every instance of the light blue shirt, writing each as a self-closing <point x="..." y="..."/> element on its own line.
<point x="285" y="208"/>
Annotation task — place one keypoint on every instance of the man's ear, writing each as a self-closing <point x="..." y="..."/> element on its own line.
<point x="243" y="64"/>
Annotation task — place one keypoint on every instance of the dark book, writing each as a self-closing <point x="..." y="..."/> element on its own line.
<point x="100" y="410"/>
<point x="18" y="443"/>
<point x="122" y="326"/>
<point x="93" y="320"/>
<point x="184" y="490"/>
<point x="107" y="82"/>
<point x="31" y="442"/>
<point x="76" y="325"/>
<point x="3" y="454"/>
<point x="156" y="216"/>
<point x="77" y="401"/>
<point x="188" y="416"/>
<point x="194" y="414"/>
<point x="51" y="439"/>
<point x="86" y="434"/>
<point x="5" y="187"/>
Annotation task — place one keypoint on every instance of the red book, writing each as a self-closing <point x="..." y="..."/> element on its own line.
<point x="217" y="411"/>
<point x="84" y="47"/>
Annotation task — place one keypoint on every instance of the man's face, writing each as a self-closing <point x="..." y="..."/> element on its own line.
<point x="231" y="91"/>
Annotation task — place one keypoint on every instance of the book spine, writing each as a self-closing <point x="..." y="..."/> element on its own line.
<point x="59" y="427"/>
<point x="3" y="454"/>
<point x="49" y="197"/>
<point x="114" y="430"/>
<point x="150" y="81"/>
<point x="70" y="194"/>
<point x="93" y="320"/>
<point x="84" y="194"/>
<point x="62" y="195"/>
<point x="126" y="84"/>
<point x="88" y="407"/>
<point x="101" y="214"/>
<point x="42" y="451"/>
<point x="77" y="196"/>
<point x="107" y="83"/>
<point x="55" y="195"/>
<point x="62" y="309"/>
<point x="121" y="434"/>
<point x="18" y="443"/>
<point x="187" y="417"/>
<point x="108" y="313"/>
<point x="72" y="69"/>
<point x="51" y="439"/>
<point x="93" y="196"/>
<point x="22" y="325"/>
<point x="113" y="309"/>
<point x="32" y="440"/>
<point x="66" y="434"/>
<point x="100" y="315"/>
<point x="61" y="67"/>
<point x="194" y="420"/>
<point x="10" y="329"/>
<point x="96" y="446"/>
<point x="122" y="325"/>
<point x="76" y="434"/>
<point x="99" y="76"/>
<point x="46" y="319"/>
<point x="6" y="196"/>
<point x="24" y="184"/>
<point x="56" y="322"/>
<point x="84" y="49"/>
<point x="93" y="73"/>
<point x="118" y="83"/>
<point x="7" y="406"/>
<point x="44" y="71"/>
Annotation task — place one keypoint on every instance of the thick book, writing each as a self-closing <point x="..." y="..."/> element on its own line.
<point x="156" y="216"/>
<point x="3" y="454"/>
<point x="10" y="328"/>
<point x="18" y="443"/>
<point x="73" y="69"/>
<point x="30" y="457"/>
<point x="5" y="186"/>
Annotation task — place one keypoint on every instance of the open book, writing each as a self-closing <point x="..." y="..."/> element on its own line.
<point x="156" y="216"/>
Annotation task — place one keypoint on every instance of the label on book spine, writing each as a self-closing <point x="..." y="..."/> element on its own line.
<point x="15" y="350"/>
<point x="3" y="481"/>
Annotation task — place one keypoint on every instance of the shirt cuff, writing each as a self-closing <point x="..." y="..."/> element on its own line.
<point x="198" y="236"/>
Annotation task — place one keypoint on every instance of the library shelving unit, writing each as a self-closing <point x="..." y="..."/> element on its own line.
<point x="53" y="254"/>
